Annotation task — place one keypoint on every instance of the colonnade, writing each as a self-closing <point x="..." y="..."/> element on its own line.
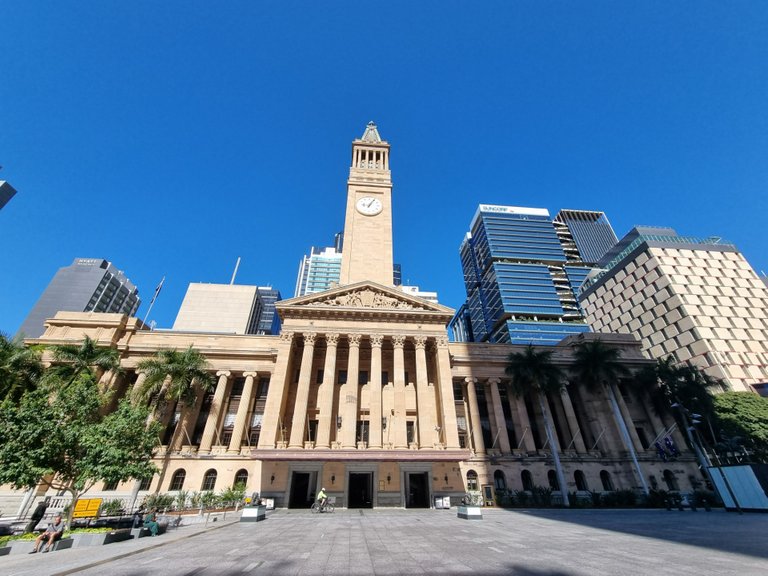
<point x="336" y="402"/>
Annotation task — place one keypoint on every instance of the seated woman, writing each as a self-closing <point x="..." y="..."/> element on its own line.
<point x="150" y="521"/>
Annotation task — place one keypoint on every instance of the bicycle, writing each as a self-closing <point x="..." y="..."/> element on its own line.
<point x="317" y="507"/>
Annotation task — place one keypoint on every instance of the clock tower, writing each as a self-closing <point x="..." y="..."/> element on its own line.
<point x="367" y="251"/>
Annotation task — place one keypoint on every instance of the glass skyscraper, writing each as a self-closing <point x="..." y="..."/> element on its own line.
<point x="522" y="272"/>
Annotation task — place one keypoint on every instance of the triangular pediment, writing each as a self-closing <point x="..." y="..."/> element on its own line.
<point x="368" y="296"/>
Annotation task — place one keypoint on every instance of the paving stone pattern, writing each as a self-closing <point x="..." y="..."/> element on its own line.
<point x="390" y="542"/>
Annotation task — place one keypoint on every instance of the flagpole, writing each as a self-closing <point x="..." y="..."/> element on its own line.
<point x="152" y="302"/>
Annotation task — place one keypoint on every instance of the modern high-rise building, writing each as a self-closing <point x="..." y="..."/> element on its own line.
<point x="696" y="299"/>
<point x="6" y="192"/>
<point x="521" y="272"/>
<point x="86" y="285"/>
<point x="228" y="309"/>
<point x="319" y="270"/>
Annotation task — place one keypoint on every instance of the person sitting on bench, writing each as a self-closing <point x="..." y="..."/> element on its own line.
<point x="150" y="521"/>
<point x="51" y="534"/>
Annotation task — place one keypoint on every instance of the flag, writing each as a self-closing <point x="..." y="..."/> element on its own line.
<point x="660" y="451"/>
<point x="157" y="290"/>
<point x="670" y="444"/>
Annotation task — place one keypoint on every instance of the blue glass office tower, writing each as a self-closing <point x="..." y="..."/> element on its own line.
<point x="521" y="271"/>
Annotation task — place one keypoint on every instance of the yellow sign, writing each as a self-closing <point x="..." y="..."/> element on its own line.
<point x="87" y="508"/>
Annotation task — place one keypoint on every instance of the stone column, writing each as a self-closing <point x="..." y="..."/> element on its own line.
<point x="501" y="423"/>
<point x="627" y="420"/>
<point x="299" y="422"/>
<point x="374" y="433"/>
<point x="277" y="391"/>
<point x="349" y="395"/>
<point x="399" y="419"/>
<point x="425" y="399"/>
<point x="212" y="424"/>
<point x="529" y="445"/>
<point x="136" y="388"/>
<point x="573" y="423"/>
<point x="243" y="410"/>
<point x="325" y="393"/>
<point x="448" y="403"/>
<point x="474" y="414"/>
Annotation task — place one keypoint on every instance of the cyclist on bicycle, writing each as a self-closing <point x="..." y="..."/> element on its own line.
<point x="322" y="497"/>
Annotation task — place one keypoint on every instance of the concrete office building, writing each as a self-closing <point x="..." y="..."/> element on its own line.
<point x="227" y="309"/>
<point x="363" y="394"/>
<point x="522" y="271"/>
<point x="6" y="193"/>
<point x="696" y="299"/>
<point x="86" y="285"/>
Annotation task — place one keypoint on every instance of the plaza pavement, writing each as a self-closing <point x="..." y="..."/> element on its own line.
<point x="390" y="542"/>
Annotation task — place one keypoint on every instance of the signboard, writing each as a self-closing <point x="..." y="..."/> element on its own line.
<point x="87" y="508"/>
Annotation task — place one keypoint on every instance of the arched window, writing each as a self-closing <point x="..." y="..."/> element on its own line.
<point x="527" y="480"/>
<point x="605" y="478"/>
<point x="553" y="483"/>
<point x="177" y="481"/>
<point x="499" y="481"/>
<point x="241" y="477"/>
<point x="670" y="480"/>
<point x="581" y="481"/>
<point x="209" y="480"/>
<point x="472" y="480"/>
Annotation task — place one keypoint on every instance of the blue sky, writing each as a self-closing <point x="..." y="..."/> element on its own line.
<point x="172" y="137"/>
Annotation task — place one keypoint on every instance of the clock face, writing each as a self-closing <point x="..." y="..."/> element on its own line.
<point x="369" y="206"/>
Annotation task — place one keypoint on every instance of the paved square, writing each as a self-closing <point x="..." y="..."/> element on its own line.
<point x="390" y="542"/>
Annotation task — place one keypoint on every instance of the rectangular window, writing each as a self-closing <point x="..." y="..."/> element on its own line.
<point x="362" y="430"/>
<point x="642" y="436"/>
<point x="226" y="437"/>
<point x="312" y="431"/>
<point x="237" y="387"/>
<point x="410" y="431"/>
<point x="263" y="388"/>
<point x="384" y="378"/>
<point x="405" y="378"/>
<point x="458" y="393"/>
<point x="342" y="377"/>
<point x="362" y="378"/>
<point x="319" y="376"/>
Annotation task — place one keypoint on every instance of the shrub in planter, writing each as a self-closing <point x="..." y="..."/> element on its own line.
<point x="522" y="498"/>
<point x="111" y="508"/>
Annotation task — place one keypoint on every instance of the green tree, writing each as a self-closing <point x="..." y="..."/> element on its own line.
<point x="20" y="368"/>
<point x="171" y="376"/>
<point x="88" y="357"/>
<point x="533" y="372"/>
<point x="743" y="415"/>
<point x="597" y="367"/>
<point x="61" y="438"/>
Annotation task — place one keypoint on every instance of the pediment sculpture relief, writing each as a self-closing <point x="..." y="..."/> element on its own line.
<point x="366" y="299"/>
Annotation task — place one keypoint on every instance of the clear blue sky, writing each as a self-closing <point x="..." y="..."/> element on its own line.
<point x="172" y="137"/>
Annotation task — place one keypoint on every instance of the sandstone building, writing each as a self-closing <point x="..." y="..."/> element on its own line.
<point x="362" y="393"/>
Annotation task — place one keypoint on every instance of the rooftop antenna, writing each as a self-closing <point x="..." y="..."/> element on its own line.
<point x="237" y="265"/>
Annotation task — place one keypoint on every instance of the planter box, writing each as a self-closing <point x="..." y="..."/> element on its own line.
<point x="100" y="539"/>
<point x="470" y="513"/>
<point x="254" y="514"/>
<point x="5" y="551"/>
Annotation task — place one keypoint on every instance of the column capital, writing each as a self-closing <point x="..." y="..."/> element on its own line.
<point x="441" y="341"/>
<point x="398" y="341"/>
<point x="331" y="339"/>
<point x="225" y="373"/>
<point x="470" y="380"/>
<point x="251" y="374"/>
<point x="496" y="381"/>
<point x="354" y="340"/>
<point x="376" y="340"/>
<point x="309" y="338"/>
<point x="286" y="336"/>
<point x="419" y="342"/>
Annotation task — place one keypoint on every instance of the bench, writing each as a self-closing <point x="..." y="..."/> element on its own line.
<point x="143" y="531"/>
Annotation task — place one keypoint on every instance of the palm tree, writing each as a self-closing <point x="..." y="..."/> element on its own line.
<point x="532" y="371"/>
<point x="77" y="359"/>
<point x="171" y="376"/>
<point x="596" y="366"/>
<point x="20" y="368"/>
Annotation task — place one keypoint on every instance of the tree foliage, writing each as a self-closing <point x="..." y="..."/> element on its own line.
<point x="59" y="435"/>
<point x="533" y="371"/>
<point x="687" y="385"/>
<point x="20" y="368"/>
<point x="72" y="360"/>
<point x="743" y="416"/>
<point x="595" y="364"/>
<point x="170" y="376"/>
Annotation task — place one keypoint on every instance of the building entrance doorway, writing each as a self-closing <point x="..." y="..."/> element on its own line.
<point x="417" y="486"/>
<point x="360" y="490"/>
<point x="302" y="489"/>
